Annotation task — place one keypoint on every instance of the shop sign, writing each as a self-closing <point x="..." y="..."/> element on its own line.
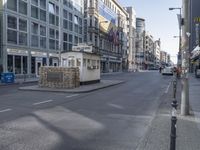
<point x="17" y="52"/>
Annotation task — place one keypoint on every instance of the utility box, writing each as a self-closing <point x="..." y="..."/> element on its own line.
<point x="7" y="77"/>
<point x="87" y="62"/>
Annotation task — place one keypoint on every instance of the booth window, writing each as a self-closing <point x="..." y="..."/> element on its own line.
<point x="84" y="62"/>
<point x="78" y="62"/>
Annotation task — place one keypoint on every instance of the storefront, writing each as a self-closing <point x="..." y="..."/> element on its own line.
<point x="17" y="61"/>
<point x="22" y="62"/>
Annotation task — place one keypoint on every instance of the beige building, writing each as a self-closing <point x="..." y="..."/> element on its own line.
<point x="105" y="28"/>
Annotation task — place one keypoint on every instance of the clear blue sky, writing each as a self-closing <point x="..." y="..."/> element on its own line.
<point x="160" y="22"/>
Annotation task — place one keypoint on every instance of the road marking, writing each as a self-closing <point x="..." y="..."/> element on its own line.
<point x="42" y="102"/>
<point x="72" y="95"/>
<point x="167" y="90"/>
<point x="5" y="110"/>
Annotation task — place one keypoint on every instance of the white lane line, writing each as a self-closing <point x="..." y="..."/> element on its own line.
<point x="72" y="95"/>
<point x="167" y="90"/>
<point x="5" y="110"/>
<point x="42" y="102"/>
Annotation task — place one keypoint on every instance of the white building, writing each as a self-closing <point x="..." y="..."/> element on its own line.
<point x="157" y="47"/>
<point x="131" y="38"/>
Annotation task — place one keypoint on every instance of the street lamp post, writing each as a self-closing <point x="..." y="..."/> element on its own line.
<point x="180" y="24"/>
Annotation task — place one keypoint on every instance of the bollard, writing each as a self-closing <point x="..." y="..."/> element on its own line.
<point x="173" y="125"/>
<point x="174" y="89"/>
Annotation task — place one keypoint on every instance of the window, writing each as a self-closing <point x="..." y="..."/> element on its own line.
<point x="80" y="30"/>
<point x="70" y="38"/>
<point x="70" y="16"/>
<point x="10" y="63"/>
<point x="90" y="21"/>
<point x="32" y="64"/>
<point x="12" y="36"/>
<point x="57" y="34"/>
<point x="25" y="65"/>
<point x="71" y="4"/>
<point x="76" y="20"/>
<point x="43" y="4"/>
<point x="22" y="25"/>
<point x="65" y="14"/>
<point x="51" y="44"/>
<point x="80" y="40"/>
<point x="70" y="26"/>
<point x="65" y="24"/>
<point x="34" y="2"/>
<point x="78" y="62"/>
<point x="65" y="2"/>
<point x="65" y="37"/>
<point x="34" y="12"/>
<point x="12" y="22"/>
<point x="22" y="7"/>
<point x="51" y="8"/>
<point x="34" y="28"/>
<point x="80" y="21"/>
<point x="12" y="5"/>
<point x="51" y="19"/>
<point x="43" y="42"/>
<point x="42" y="15"/>
<point x="75" y="40"/>
<point x="22" y="38"/>
<point x="76" y="28"/>
<point x="84" y="62"/>
<point x="65" y="46"/>
<point x="57" y="10"/>
<point x="34" y="41"/>
<point x="70" y="47"/>
<point x="96" y="22"/>
<point x="51" y="33"/>
<point x="42" y="30"/>
<point x="17" y="64"/>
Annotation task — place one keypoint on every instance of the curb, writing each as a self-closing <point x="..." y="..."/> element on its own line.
<point x="71" y="91"/>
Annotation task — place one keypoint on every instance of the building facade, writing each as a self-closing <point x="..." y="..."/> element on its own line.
<point x="163" y="58"/>
<point x="194" y="39"/>
<point x="35" y="32"/>
<point x="131" y="38"/>
<point x="140" y="42"/>
<point x="149" y="57"/>
<point x="157" y="47"/>
<point x="105" y="28"/>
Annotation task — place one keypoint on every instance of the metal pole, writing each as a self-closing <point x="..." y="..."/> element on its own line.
<point x="185" y="61"/>
<point x="179" y="53"/>
<point x="59" y="34"/>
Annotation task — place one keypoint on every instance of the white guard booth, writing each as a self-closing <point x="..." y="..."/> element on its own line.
<point x="88" y="63"/>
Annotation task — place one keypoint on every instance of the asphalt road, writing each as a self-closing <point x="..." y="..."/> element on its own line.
<point x="114" y="118"/>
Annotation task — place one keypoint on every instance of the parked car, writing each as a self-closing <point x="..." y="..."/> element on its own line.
<point x="167" y="71"/>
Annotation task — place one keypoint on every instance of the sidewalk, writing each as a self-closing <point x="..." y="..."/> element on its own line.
<point x="21" y="81"/>
<point x="188" y="127"/>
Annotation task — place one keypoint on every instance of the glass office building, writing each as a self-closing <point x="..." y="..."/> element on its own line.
<point x="34" y="32"/>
